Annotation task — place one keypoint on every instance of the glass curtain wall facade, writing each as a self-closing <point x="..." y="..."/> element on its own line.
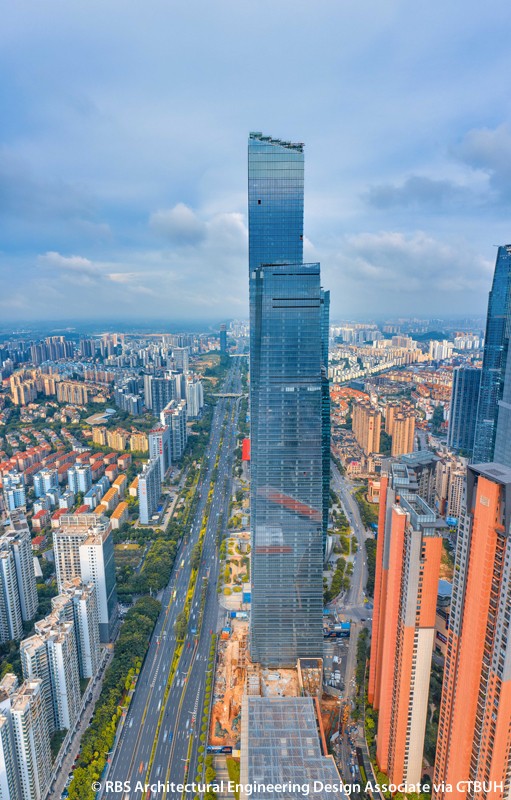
<point x="275" y="201"/>
<point x="286" y="411"/>
<point x="462" y="416"/>
<point x="503" y="437"/>
<point x="286" y="465"/>
<point x="325" y="409"/>
<point x="498" y="324"/>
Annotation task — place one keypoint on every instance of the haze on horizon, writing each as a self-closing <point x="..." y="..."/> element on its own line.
<point x="123" y="153"/>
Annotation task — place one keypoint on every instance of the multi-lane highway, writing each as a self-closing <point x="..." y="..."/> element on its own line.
<point x="353" y="603"/>
<point x="352" y="746"/>
<point x="160" y="737"/>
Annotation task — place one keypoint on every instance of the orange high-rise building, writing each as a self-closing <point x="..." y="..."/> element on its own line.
<point x="403" y="432"/>
<point x="407" y="569"/>
<point x="474" y="731"/>
<point x="366" y="426"/>
<point x="391" y="410"/>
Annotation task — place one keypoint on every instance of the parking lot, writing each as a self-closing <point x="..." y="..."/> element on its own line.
<point x="335" y="653"/>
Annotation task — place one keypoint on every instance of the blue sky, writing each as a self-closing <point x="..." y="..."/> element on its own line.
<point x="123" y="151"/>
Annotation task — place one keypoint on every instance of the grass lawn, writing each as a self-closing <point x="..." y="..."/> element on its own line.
<point x="127" y="555"/>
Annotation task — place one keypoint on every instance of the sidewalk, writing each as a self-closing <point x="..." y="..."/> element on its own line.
<point x="118" y="736"/>
<point x="71" y="744"/>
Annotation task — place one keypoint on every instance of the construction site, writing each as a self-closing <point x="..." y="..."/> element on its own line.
<point x="236" y="676"/>
<point x="229" y="686"/>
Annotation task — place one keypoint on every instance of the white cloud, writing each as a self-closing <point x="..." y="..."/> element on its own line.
<point x="420" y="191"/>
<point x="123" y="277"/>
<point x="405" y="273"/>
<point x="72" y="263"/>
<point x="90" y="147"/>
<point x="179" y="225"/>
<point x="489" y="150"/>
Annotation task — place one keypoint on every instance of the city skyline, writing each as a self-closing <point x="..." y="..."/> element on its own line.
<point x="255" y="525"/>
<point x="122" y="179"/>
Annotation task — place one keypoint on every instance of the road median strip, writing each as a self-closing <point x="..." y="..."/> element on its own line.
<point x="192" y="585"/>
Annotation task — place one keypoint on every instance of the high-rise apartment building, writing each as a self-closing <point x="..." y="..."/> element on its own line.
<point x="17" y="538"/>
<point x="18" y="590"/>
<point x="35" y="664"/>
<point x="403" y="432"/>
<point x="409" y="548"/>
<point x="223" y="338"/>
<point x="72" y="392"/>
<point x="455" y="502"/>
<point x="158" y="392"/>
<point x="118" y="439"/>
<point x="496" y="345"/>
<point x="181" y="358"/>
<point x="474" y="737"/>
<point x="466" y="382"/>
<point x="174" y="416"/>
<point x="424" y="464"/>
<point x="160" y="448"/>
<point x="15" y="498"/>
<point x="52" y="349"/>
<point x="9" y="783"/>
<point x="128" y="401"/>
<point x="179" y="380"/>
<point x="366" y="426"/>
<point x="99" y="435"/>
<point x="13" y="484"/>
<point x="148" y="379"/>
<point x="44" y="481"/>
<point x="286" y="354"/>
<point x="391" y="409"/>
<point x="194" y="397"/>
<point x="11" y="623"/>
<point x="23" y="388"/>
<point x="9" y="786"/>
<point x="440" y="351"/>
<point x="84" y="548"/>
<point x="79" y="479"/>
<point x="60" y="641"/>
<point x="51" y="655"/>
<point x="88" y="347"/>
<point x="31" y="740"/>
<point x="77" y="603"/>
<point x="13" y="479"/>
<point x="149" y="490"/>
<point x="139" y="442"/>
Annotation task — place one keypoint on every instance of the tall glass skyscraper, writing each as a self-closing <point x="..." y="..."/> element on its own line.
<point x="275" y="201"/>
<point x="503" y="438"/>
<point x="325" y="409"/>
<point x="463" y="411"/>
<point x="287" y="319"/>
<point x="498" y="328"/>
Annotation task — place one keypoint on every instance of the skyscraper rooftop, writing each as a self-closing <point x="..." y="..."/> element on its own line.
<point x="270" y="140"/>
